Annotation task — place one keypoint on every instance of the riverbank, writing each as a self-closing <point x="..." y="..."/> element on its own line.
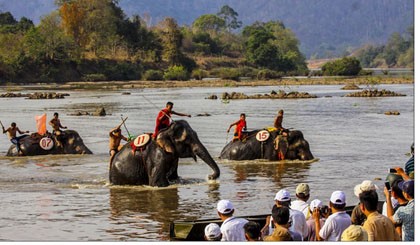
<point x="115" y="85"/>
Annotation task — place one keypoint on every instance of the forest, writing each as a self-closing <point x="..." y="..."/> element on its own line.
<point x="94" y="40"/>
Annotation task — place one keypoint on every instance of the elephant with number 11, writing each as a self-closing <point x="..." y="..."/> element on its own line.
<point x="156" y="162"/>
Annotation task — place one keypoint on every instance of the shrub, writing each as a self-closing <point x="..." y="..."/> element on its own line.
<point x="199" y="74"/>
<point x="348" y="66"/>
<point x="153" y="75"/>
<point x="267" y="74"/>
<point x="227" y="73"/>
<point x="176" y="73"/>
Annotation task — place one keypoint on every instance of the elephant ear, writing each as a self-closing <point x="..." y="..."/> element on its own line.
<point x="164" y="141"/>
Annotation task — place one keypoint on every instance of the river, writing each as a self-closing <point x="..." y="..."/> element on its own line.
<point x="68" y="198"/>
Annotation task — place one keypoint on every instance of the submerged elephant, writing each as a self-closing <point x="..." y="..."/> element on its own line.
<point x="156" y="162"/>
<point x="293" y="146"/>
<point x="35" y="144"/>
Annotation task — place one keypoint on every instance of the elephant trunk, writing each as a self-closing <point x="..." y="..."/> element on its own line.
<point x="199" y="150"/>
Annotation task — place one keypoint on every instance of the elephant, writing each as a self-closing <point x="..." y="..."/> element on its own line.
<point x="30" y="145"/>
<point x="293" y="146"/>
<point x="156" y="163"/>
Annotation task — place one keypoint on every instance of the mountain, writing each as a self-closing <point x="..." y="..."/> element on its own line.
<point x="324" y="27"/>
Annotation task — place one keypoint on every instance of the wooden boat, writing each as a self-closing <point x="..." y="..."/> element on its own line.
<point x="194" y="230"/>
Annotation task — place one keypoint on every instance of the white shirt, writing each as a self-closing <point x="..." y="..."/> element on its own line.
<point x="384" y="207"/>
<point x="301" y="206"/>
<point x="334" y="226"/>
<point x="233" y="229"/>
<point x="298" y="223"/>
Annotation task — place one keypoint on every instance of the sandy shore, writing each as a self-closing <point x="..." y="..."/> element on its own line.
<point x="209" y="83"/>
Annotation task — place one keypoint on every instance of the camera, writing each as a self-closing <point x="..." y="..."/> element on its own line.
<point x="387" y="185"/>
<point x="325" y="210"/>
<point x="392" y="170"/>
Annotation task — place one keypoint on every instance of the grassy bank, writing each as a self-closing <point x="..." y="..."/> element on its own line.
<point x="115" y="85"/>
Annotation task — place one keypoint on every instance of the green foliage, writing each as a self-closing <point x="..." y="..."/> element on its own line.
<point x="153" y="75"/>
<point x="270" y="45"/>
<point x="398" y="51"/>
<point x="227" y="73"/>
<point x="199" y="74"/>
<point x="348" y="66"/>
<point x="266" y="74"/>
<point x="176" y="73"/>
<point x="209" y="23"/>
<point x="230" y="17"/>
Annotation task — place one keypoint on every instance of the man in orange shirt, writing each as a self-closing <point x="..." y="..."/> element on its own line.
<point x="163" y="119"/>
<point x="240" y="127"/>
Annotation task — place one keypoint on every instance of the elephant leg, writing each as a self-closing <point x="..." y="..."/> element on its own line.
<point x="173" y="171"/>
<point x="157" y="177"/>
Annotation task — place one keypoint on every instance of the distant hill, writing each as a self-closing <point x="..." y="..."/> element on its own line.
<point x="325" y="28"/>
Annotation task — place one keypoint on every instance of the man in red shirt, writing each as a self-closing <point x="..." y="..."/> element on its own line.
<point x="163" y="119"/>
<point x="240" y="127"/>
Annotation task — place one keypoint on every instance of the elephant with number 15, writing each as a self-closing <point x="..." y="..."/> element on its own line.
<point x="260" y="144"/>
<point x="156" y="162"/>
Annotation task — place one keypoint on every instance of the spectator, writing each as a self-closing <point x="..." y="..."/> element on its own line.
<point x="357" y="216"/>
<point x="337" y="222"/>
<point x="378" y="227"/>
<point x="354" y="233"/>
<point x="395" y="193"/>
<point x="302" y="195"/>
<point x="297" y="218"/>
<point x="232" y="228"/>
<point x="212" y="232"/>
<point x="405" y="215"/>
<point x="409" y="165"/>
<point x="281" y="232"/>
<point x="252" y="231"/>
<point x="391" y="178"/>
<point x="315" y="204"/>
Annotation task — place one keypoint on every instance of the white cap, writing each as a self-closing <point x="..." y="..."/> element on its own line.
<point x="316" y="203"/>
<point x="212" y="231"/>
<point x="282" y="196"/>
<point x="366" y="185"/>
<point x="224" y="206"/>
<point x="338" y="197"/>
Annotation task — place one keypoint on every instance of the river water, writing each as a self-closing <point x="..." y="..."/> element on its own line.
<point x="67" y="198"/>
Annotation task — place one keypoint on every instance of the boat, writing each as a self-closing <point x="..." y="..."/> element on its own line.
<point x="194" y="230"/>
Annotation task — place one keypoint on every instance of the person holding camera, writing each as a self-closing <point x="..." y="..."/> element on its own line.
<point x="336" y="223"/>
<point x="315" y="204"/>
<point x="404" y="215"/>
<point x="396" y="193"/>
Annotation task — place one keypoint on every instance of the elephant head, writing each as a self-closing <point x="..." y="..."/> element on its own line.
<point x="158" y="161"/>
<point x="71" y="141"/>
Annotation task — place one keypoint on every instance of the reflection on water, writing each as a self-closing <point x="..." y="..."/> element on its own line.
<point x="68" y="198"/>
<point x="277" y="172"/>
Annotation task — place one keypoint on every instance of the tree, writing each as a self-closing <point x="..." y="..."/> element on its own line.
<point x="347" y="66"/>
<point x="171" y="37"/>
<point x="230" y="17"/>
<point x="209" y="23"/>
<point x="271" y="45"/>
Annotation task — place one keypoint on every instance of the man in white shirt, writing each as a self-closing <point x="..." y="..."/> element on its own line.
<point x="232" y="228"/>
<point x="297" y="218"/>
<point x="302" y="195"/>
<point x="337" y="222"/>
